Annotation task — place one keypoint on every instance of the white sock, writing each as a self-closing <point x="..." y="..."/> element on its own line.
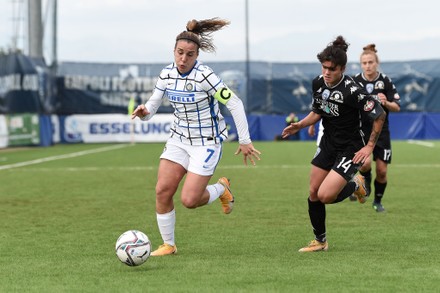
<point x="215" y="190"/>
<point x="167" y="223"/>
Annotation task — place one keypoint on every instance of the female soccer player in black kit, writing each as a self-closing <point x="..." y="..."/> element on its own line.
<point x="377" y="83"/>
<point x="338" y="100"/>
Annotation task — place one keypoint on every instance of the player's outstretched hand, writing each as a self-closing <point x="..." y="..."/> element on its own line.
<point x="249" y="152"/>
<point x="291" y="129"/>
<point x="140" y="112"/>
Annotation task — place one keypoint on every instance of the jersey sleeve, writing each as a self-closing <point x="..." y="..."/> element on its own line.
<point x="370" y="106"/>
<point x="391" y="91"/>
<point x="236" y="107"/>
<point x="216" y="88"/>
<point x="316" y="107"/>
<point x="156" y="98"/>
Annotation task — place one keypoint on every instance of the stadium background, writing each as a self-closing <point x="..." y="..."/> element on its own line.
<point x="87" y="102"/>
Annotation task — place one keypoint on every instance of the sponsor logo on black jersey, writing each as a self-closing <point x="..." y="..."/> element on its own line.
<point x="330" y="109"/>
<point x="379" y="85"/>
<point x="369" y="87"/>
<point x="337" y="97"/>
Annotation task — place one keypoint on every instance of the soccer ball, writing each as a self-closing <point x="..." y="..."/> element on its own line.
<point x="133" y="248"/>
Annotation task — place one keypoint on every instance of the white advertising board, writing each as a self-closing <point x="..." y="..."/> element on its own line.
<point x="103" y="128"/>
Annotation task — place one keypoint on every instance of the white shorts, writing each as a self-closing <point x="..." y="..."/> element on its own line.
<point x="201" y="160"/>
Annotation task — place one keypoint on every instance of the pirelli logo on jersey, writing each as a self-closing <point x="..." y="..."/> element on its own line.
<point x="223" y="95"/>
<point x="180" y="97"/>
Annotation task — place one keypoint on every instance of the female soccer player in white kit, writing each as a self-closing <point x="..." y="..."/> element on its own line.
<point x="195" y="144"/>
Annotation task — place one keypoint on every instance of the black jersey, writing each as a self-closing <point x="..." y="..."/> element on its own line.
<point x="340" y="107"/>
<point x="381" y="84"/>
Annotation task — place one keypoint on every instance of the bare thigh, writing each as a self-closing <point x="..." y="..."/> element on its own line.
<point x="317" y="176"/>
<point x="169" y="176"/>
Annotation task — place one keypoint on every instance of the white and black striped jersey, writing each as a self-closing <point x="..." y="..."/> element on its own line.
<point x="195" y="97"/>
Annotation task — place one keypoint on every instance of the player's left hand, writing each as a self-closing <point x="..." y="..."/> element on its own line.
<point x="362" y="155"/>
<point x="383" y="98"/>
<point x="249" y="152"/>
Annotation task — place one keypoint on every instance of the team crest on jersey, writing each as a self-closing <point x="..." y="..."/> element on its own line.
<point x="189" y="87"/>
<point x="326" y="94"/>
<point x="379" y="85"/>
<point x="369" y="87"/>
<point x="337" y="97"/>
<point x="369" y="105"/>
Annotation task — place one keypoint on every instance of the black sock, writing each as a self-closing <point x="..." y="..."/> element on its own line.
<point x="348" y="190"/>
<point x="317" y="218"/>
<point x="379" y="190"/>
<point x="367" y="176"/>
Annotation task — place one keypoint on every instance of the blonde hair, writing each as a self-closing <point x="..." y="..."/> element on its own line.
<point x="370" y="49"/>
<point x="199" y="32"/>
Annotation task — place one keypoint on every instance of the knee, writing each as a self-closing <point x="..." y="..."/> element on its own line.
<point x="189" y="201"/>
<point x="381" y="175"/>
<point x="164" y="194"/>
<point x="324" y="196"/>
<point x="313" y="195"/>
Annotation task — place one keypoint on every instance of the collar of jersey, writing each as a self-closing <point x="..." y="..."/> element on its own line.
<point x="186" y="74"/>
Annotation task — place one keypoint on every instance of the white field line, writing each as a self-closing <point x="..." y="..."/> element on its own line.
<point x="230" y="167"/>
<point x="422" y="143"/>
<point x="66" y="156"/>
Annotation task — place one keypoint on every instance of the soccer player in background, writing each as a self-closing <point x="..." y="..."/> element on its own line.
<point x="337" y="100"/>
<point x="377" y="83"/>
<point x="195" y="145"/>
<point x="289" y="119"/>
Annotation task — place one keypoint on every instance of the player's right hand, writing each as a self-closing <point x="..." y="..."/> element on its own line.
<point x="291" y="129"/>
<point x="140" y="112"/>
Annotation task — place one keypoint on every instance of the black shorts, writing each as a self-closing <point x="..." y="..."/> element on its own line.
<point x="383" y="154"/>
<point x="382" y="150"/>
<point x="327" y="157"/>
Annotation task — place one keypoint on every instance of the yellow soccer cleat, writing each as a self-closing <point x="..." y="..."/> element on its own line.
<point x="315" y="246"/>
<point x="361" y="189"/>
<point x="165" y="249"/>
<point x="227" y="199"/>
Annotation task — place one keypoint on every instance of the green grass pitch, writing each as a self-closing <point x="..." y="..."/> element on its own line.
<point x="63" y="207"/>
